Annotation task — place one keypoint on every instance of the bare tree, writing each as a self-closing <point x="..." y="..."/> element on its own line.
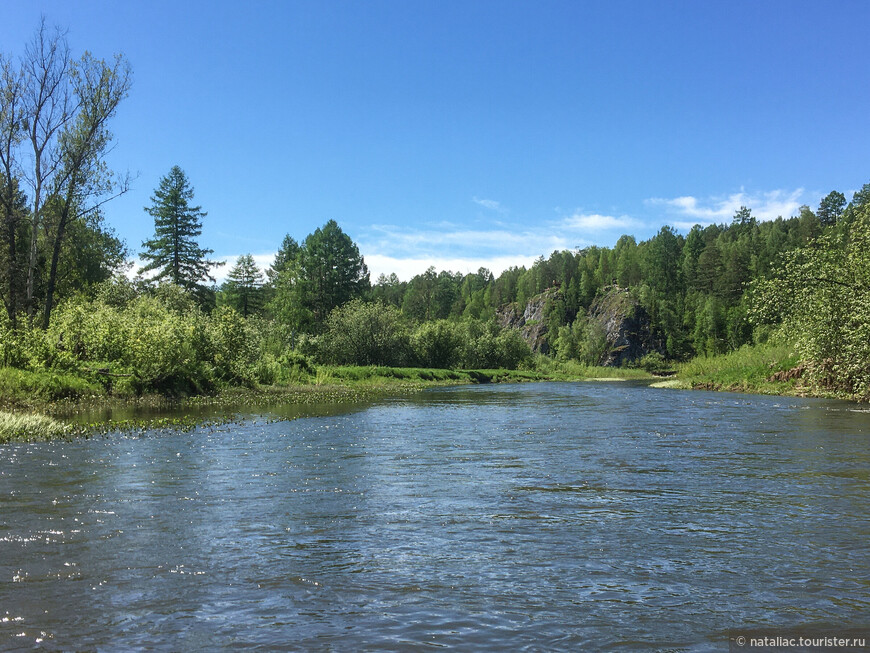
<point x="54" y="136"/>
<point x="48" y="108"/>
<point x="83" y="182"/>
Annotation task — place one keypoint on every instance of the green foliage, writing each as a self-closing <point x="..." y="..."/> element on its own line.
<point x="23" y="386"/>
<point x="438" y="344"/>
<point x="512" y="351"/>
<point x="363" y="333"/>
<point x="572" y="370"/>
<point x="233" y="346"/>
<point x="164" y="343"/>
<point x="488" y="346"/>
<point x="822" y="296"/>
<point x="831" y="208"/>
<point x="748" y="369"/>
<point x="284" y="258"/>
<point x="654" y="363"/>
<point x="327" y="272"/>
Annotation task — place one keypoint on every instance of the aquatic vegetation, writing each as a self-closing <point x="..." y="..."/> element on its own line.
<point x="27" y="427"/>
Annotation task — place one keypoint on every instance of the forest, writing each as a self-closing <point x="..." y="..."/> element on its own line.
<point x="71" y="306"/>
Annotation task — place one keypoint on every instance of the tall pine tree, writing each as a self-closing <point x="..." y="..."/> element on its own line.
<point x="173" y="251"/>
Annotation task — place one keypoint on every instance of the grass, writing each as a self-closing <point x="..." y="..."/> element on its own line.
<point x="748" y="369"/>
<point x="27" y="428"/>
<point x="22" y="388"/>
<point x="575" y="371"/>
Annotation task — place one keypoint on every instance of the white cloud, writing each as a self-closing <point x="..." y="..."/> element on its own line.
<point x="598" y="222"/>
<point x="406" y="268"/>
<point x="263" y="262"/>
<point x="404" y="242"/>
<point x="765" y="206"/>
<point x="492" y="205"/>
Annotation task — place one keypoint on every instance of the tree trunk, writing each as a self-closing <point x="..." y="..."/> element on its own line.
<point x="62" y="222"/>
<point x="12" y="304"/>
<point x="52" y="274"/>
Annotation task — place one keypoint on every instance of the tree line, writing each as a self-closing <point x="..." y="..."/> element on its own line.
<point x="710" y="291"/>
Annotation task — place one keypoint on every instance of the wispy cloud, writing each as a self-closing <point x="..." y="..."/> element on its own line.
<point x="219" y="273"/>
<point x="765" y="206"/>
<point x="492" y="205"/>
<point x="407" y="268"/>
<point x="597" y="222"/>
<point x="409" y="250"/>
<point x="404" y="242"/>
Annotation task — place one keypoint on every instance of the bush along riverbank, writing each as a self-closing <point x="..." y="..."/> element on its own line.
<point x="769" y="369"/>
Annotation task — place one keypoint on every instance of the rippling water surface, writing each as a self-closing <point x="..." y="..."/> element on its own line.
<point x="509" y="517"/>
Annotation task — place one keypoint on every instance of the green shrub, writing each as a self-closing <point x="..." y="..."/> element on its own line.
<point x="49" y="385"/>
<point x="653" y="362"/>
<point x="512" y="349"/>
<point x="234" y="346"/>
<point x="362" y="333"/>
<point x="438" y="344"/>
<point x="480" y="347"/>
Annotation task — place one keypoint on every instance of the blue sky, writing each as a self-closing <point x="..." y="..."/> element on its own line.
<point x="460" y="134"/>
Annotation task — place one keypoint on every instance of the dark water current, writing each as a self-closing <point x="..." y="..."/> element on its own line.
<point x="510" y="517"/>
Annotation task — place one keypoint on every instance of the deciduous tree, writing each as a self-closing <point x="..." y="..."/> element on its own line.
<point x="54" y="114"/>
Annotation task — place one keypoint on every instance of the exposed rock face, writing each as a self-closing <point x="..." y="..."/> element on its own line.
<point x="625" y="323"/>
<point x="530" y="320"/>
<point x="626" y="327"/>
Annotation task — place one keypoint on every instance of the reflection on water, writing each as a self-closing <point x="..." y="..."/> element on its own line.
<point x="539" y="516"/>
<point x="219" y="411"/>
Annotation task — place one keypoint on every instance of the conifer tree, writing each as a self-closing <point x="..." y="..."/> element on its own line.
<point x="173" y="251"/>
<point x="244" y="285"/>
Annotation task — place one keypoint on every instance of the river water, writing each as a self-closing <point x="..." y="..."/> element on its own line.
<point x="587" y="516"/>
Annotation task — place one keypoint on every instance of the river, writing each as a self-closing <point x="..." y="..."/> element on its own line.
<point x="549" y="516"/>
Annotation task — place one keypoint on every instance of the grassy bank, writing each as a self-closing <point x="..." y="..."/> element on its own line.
<point x="771" y="369"/>
<point x="35" y="404"/>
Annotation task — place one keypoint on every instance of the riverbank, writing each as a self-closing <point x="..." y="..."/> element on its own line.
<point x="770" y="369"/>
<point x="55" y="405"/>
<point x="52" y="405"/>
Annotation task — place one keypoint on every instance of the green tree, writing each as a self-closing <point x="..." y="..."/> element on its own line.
<point x="327" y="272"/>
<point x="420" y="301"/>
<point x="831" y="208"/>
<point x="13" y="211"/>
<point x="284" y="258"/>
<point x="91" y="254"/>
<point x="173" y="252"/>
<point x="861" y="197"/>
<point x="743" y="218"/>
<point x="389" y="290"/>
<point x="822" y="296"/>
<point x="438" y="344"/>
<point x="244" y="285"/>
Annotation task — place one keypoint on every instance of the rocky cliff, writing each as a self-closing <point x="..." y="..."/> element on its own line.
<point x="529" y="320"/>
<point x="626" y="326"/>
<point x="625" y="323"/>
